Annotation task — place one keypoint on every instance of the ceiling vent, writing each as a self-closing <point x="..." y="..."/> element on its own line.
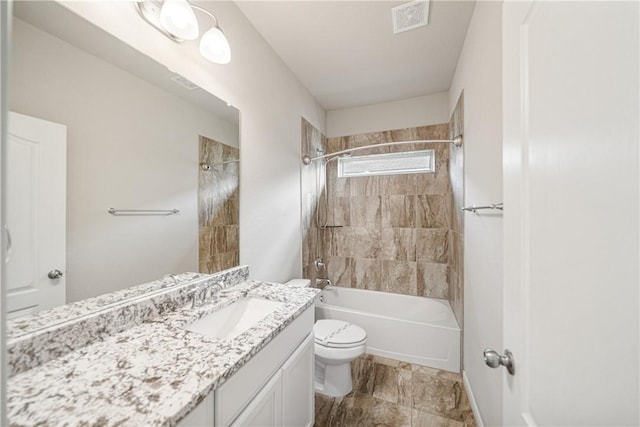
<point x="185" y="83"/>
<point x="410" y="15"/>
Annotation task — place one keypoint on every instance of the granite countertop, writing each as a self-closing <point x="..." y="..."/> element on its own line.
<point x="152" y="374"/>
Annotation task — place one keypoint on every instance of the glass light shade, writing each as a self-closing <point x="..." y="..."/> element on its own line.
<point x="177" y="17"/>
<point x="215" y="47"/>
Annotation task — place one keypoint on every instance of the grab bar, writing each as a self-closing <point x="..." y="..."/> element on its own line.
<point x="473" y="208"/>
<point x="133" y="212"/>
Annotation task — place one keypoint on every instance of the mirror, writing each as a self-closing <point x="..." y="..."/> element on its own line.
<point x="119" y="171"/>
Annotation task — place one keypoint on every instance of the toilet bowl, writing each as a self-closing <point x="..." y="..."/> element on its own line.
<point x="337" y="344"/>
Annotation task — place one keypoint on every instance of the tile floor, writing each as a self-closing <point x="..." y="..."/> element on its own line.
<point x="391" y="393"/>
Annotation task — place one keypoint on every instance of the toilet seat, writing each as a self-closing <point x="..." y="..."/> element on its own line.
<point x="338" y="334"/>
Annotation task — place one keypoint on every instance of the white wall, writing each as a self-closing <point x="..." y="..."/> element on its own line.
<point x="479" y="74"/>
<point x="5" y="18"/>
<point x="404" y="113"/>
<point x="130" y="145"/>
<point x="271" y="101"/>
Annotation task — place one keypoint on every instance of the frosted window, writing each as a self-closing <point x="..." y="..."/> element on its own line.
<point x="387" y="164"/>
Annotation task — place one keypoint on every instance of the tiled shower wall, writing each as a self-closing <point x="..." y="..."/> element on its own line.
<point x="385" y="233"/>
<point x="218" y="206"/>
<point x="456" y="236"/>
<point x="312" y="185"/>
<point x="393" y="234"/>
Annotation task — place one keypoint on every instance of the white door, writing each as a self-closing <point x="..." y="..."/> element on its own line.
<point x="36" y="214"/>
<point x="571" y="212"/>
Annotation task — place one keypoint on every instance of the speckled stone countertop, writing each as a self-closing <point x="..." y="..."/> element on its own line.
<point x="152" y="374"/>
<point x="38" y="339"/>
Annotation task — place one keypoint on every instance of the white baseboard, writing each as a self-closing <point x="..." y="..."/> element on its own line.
<point x="472" y="400"/>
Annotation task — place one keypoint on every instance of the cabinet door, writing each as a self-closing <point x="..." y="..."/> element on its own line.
<point x="201" y="415"/>
<point x="297" y="386"/>
<point x="265" y="410"/>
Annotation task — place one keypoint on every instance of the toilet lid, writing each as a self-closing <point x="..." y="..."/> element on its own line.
<point x="336" y="333"/>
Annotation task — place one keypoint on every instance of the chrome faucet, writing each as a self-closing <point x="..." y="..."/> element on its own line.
<point x="172" y="276"/>
<point x="323" y="283"/>
<point x="203" y="292"/>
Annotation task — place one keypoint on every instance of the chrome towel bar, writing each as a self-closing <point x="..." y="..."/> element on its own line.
<point x="473" y="208"/>
<point x="125" y="212"/>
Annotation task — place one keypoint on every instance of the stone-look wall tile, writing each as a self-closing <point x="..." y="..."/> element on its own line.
<point x="337" y="187"/>
<point x="365" y="242"/>
<point x="434" y="183"/>
<point x="456" y="172"/>
<point x="407" y="134"/>
<point x="399" y="277"/>
<point x="366" y="273"/>
<point x="204" y="240"/>
<point x="433" y="211"/>
<point x="313" y="185"/>
<point x="457" y="187"/>
<point x="219" y="240"/>
<point x="334" y="144"/>
<point x="390" y="222"/>
<point x="399" y="211"/>
<point x="339" y="271"/>
<point x="232" y="237"/>
<point x="432" y="245"/>
<point x="355" y="141"/>
<point x="340" y="211"/>
<point x="439" y="131"/>
<point x="218" y="207"/>
<point x="365" y="212"/>
<point x="456" y="282"/>
<point x="309" y="246"/>
<point x="398" y="184"/>
<point x="364" y="186"/>
<point x="398" y="244"/>
<point x="343" y="241"/>
<point x="433" y="280"/>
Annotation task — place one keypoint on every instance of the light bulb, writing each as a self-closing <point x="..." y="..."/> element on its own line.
<point x="177" y="17"/>
<point x="215" y="47"/>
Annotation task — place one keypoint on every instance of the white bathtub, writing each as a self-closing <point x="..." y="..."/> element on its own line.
<point x="411" y="329"/>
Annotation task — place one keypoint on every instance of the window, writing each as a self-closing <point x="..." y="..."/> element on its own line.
<point x="387" y="164"/>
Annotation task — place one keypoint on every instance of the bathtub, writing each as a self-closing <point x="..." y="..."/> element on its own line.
<point x="412" y="329"/>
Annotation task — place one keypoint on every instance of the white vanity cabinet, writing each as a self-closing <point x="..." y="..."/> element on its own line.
<point x="275" y="388"/>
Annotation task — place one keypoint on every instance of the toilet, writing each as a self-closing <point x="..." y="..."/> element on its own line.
<point x="337" y="344"/>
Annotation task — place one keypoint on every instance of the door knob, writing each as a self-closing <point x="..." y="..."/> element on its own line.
<point x="55" y="274"/>
<point x="493" y="359"/>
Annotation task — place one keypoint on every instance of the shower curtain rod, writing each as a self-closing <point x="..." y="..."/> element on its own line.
<point x="457" y="141"/>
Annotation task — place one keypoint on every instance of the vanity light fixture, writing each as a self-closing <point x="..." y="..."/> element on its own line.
<point x="177" y="20"/>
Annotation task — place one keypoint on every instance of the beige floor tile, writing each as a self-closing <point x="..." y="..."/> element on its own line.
<point x="388" y="392"/>
<point x="440" y="396"/>
<point x="425" y="419"/>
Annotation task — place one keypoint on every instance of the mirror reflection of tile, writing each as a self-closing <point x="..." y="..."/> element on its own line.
<point x="218" y="206"/>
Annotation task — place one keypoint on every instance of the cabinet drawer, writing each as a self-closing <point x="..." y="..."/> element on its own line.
<point x="235" y="394"/>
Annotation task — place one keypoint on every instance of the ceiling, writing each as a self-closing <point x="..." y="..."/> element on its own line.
<point x="345" y="52"/>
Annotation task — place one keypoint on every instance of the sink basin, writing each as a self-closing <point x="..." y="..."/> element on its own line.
<point x="234" y="319"/>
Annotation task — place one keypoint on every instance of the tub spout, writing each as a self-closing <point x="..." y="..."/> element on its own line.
<point x="323" y="283"/>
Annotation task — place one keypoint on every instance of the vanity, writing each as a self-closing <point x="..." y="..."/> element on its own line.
<point x="209" y="350"/>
